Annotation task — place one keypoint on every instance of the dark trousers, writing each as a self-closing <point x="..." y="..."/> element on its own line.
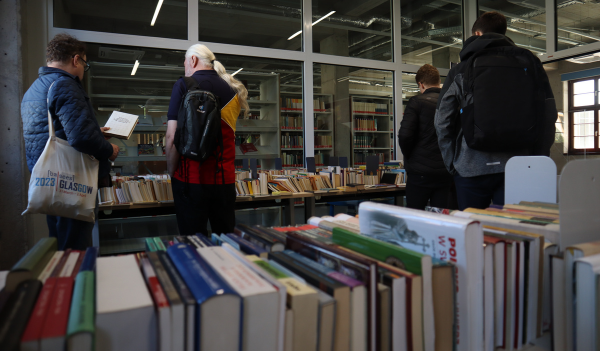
<point x="480" y="191"/>
<point x="71" y="233"/>
<point x="196" y="204"/>
<point x="436" y="190"/>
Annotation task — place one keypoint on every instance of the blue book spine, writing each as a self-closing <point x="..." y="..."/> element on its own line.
<point x="246" y="246"/>
<point x="202" y="280"/>
<point x="308" y="262"/>
<point x="205" y="240"/>
<point x="225" y="239"/>
<point x="215" y="239"/>
<point x="89" y="260"/>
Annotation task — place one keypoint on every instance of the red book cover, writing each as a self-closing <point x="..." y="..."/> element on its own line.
<point x="55" y="323"/>
<point x="36" y="321"/>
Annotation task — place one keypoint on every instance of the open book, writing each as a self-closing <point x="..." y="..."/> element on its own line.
<point x="121" y="125"/>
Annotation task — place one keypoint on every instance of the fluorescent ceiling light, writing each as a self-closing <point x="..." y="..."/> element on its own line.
<point x="135" y="67"/>
<point x="236" y="72"/>
<point x="156" y="12"/>
<point x="315" y="22"/>
<point x="322" y="18"/>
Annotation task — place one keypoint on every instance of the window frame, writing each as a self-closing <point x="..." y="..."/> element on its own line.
<point x="571" y="119"/>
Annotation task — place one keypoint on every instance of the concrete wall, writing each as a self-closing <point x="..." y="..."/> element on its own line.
<point x="13" y="240"/>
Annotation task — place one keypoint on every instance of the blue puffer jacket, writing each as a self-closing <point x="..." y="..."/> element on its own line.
<point x="72" y="115"/>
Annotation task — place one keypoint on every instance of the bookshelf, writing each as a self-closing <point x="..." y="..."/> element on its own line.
<point x="372" y="128"/>
<point x="261" y="127"/>
<point x="292" y="128"/>
<point x="324" y="128"/>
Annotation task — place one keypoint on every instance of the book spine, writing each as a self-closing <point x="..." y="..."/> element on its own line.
<point x="58" y="315"/>
<point x="36" y="321"/>
<point x="16" y="312"/>
<point x="89" y="260"/>
<point x="81" y="317"/>
<point x="158" y="295"/>
<point x="182" y="288"/>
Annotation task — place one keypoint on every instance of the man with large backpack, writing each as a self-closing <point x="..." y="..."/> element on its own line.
<point x="495" y="104"/>
<point x="200" y="148"/>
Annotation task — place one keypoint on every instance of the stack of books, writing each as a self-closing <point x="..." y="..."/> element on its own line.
<point x="135" y="190"/>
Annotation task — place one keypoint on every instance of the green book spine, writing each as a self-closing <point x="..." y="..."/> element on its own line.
<point x="150" y="245"/>
<point x="37" y="257"/>
<point x="81" y="317"/>
<point x="274" y="272"/>
<point x="160" y="246"/>
<point x="379" y="250"/>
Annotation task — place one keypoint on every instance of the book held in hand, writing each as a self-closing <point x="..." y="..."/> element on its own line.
<point x="121" y="125"/>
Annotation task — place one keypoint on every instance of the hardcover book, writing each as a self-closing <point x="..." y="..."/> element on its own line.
<point x="455" y="240"/>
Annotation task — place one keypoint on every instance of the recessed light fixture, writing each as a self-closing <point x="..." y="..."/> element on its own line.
<point x="315" y="22"/>
<point x="135" y="67"/>
<point x="160" y="2"/>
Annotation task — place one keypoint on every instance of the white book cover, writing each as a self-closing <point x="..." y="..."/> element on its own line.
<point x="125" y="317"/>
<point x="586" y="273"/>
<point x="121" y="125"/>
<point x="50" y="266"/>
<point x="261" y="312"/>
<point x="448" y="238"/>
<point x="282" y="290"/>
<point x="67" y="269"/>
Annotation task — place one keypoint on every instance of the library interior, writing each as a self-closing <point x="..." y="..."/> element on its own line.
<point x="325" y="250"/>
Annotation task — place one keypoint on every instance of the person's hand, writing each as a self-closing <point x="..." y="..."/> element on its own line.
<point x="115" y="152"/>
<point x="104" y="129"/>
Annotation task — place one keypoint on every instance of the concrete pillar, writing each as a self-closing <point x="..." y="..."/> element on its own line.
<point x="13" y="239"/>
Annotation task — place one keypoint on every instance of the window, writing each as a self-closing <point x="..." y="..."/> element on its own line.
<point x="431" y="33"/>
<point x="360" y="29"/>
<point x="576" y="23"/>
<point x="147" y="18"/>
<point x="584" y="105"/>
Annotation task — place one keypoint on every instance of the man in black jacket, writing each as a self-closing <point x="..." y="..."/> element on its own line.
<point x="427" y="178"/>
<point x="479" y="175"/>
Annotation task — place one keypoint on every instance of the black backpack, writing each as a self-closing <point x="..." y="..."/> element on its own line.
<point x="503" y="102"/>
<point x="198" y="132"/>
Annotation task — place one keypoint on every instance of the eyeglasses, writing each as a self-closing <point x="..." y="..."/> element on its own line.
<point x="87" y="65"/>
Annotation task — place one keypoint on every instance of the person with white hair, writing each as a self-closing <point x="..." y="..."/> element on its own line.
<point x="201" y="196"/>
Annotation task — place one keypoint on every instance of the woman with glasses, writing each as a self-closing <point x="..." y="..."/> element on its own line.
<point x="73" y="117"/>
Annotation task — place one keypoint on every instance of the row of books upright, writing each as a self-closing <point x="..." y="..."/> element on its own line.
<point x="253" y="187"/>
<point x="290" y="104"/>
<point x="323" y="141"/>
<point x="138" y="189"/>
<point x="292" y="160"/>
<point x="360" y="157"/>
<point x="367" y="141"/>
<point x="369" y="107"/>
<point x="292" y="141"/>
<point x="365" y="123"/>
<point x="289" y="122"/>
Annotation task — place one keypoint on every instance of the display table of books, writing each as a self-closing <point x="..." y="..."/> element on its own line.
<point x="391" y="279"/>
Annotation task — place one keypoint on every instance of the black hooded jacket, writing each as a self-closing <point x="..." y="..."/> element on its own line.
<point x="458" y="156"/>
<point x="417" y="138"/>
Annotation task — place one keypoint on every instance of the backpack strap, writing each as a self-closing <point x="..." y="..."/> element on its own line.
<point x="190" y="83"/>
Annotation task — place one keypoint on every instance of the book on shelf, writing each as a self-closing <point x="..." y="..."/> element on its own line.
<point x="15" y="314"/>
<point x="32" y="264"/>
<point x="445" y="238"/>
<point x="121" y="125"/>
<point x="260" y="322"/>
<point x="219" y="307"/>
<point x="125" y="317"/>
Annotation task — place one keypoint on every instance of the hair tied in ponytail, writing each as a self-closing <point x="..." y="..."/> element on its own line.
<point x="212" y="62"/>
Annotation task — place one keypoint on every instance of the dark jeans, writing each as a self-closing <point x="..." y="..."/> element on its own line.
<point x="436" y="190"/>
<point x="71" y="233"/>
<point x="480" y="191"/>
<point x="196" y="204"/>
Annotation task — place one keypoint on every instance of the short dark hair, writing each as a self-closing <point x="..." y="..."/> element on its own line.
<point x="63" y="47"/>
<point x="490" y="22"/>
<point x="428" y="75"/>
